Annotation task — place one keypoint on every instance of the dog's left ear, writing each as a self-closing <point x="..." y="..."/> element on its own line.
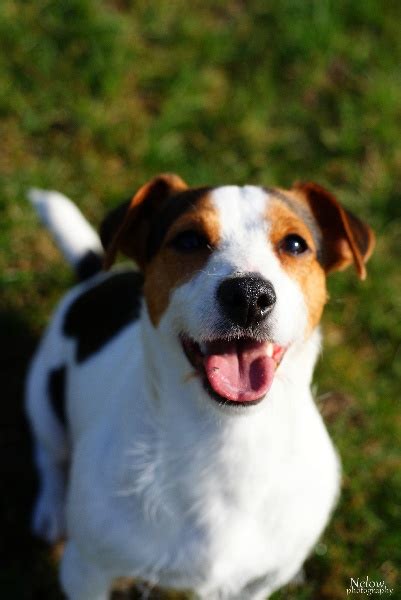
<point x="346" y="239"/>
<point x="125" y="229"/>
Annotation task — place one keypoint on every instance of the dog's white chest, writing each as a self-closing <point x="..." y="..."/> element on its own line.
<point x="219" y="514"/>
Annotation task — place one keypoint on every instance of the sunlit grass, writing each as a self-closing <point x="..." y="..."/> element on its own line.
<point x="96" y="97"/>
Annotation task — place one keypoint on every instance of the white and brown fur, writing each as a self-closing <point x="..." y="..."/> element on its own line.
<point x="165" y="484"/>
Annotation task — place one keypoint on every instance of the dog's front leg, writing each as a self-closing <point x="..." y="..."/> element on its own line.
<point x="81" y="579"/>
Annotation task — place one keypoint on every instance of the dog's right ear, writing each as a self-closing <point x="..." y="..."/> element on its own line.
<point x="126" y="228"/>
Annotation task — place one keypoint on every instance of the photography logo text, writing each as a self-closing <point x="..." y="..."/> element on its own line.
<point x="368" y="587"/>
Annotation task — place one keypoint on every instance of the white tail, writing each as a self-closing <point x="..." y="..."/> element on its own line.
<point x="77" y="240"/>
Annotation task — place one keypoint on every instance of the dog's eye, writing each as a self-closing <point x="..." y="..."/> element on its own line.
<point x="293" y="244"/>
<point x="189" y="241"/>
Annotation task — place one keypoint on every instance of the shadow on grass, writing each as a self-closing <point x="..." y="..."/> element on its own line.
<point x="26" y="570"/>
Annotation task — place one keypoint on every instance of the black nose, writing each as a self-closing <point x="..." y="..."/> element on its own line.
<point x="246" y="300"/>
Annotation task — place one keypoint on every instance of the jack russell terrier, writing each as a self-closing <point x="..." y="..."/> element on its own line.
<point x="177" y="397"/>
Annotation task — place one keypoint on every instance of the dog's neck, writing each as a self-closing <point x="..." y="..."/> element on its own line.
<point x="204" y="448"/>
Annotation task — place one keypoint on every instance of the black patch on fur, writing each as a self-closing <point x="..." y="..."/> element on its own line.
<point x="56" y="389"/>
<point x="90" y="264"/>
<point x="101" y="312"/>
<point x="171" y="210"/>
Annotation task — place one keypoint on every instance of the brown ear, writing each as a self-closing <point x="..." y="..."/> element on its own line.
<point x="346" y="239"/>
<point x="126" y="228"/>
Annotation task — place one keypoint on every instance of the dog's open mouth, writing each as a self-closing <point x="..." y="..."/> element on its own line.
<point x="238" y="371"/>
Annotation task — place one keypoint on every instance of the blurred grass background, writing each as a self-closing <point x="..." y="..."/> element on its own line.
<point x="98" y="96"/>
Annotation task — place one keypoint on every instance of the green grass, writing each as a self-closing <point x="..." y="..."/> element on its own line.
<point x="96" y="97"/>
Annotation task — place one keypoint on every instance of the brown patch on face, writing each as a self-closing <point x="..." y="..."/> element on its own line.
<point x="126" y="228"/>
<point x="303" y="268"/>
<point x="170" y="268"/>
<point x="346" y="239"/>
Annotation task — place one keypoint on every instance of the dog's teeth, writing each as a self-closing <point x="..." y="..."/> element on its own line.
<point x="270" y="350"/>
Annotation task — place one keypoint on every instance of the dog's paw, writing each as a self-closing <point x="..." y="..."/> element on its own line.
<point x="48" y="520"/>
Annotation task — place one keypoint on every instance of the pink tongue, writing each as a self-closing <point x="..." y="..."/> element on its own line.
<point x="239" y="371"/>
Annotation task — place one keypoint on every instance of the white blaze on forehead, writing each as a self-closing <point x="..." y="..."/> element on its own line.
<point x="240" y="209"/>
<point x="243" y="225"/>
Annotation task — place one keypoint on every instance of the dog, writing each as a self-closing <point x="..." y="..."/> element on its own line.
<point x="176" y="435"/>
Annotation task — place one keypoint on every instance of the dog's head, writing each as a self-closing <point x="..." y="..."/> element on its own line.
<point x="235" y="275"/>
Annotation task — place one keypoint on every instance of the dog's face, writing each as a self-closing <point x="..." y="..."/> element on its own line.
<point x="236" y="275"/>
